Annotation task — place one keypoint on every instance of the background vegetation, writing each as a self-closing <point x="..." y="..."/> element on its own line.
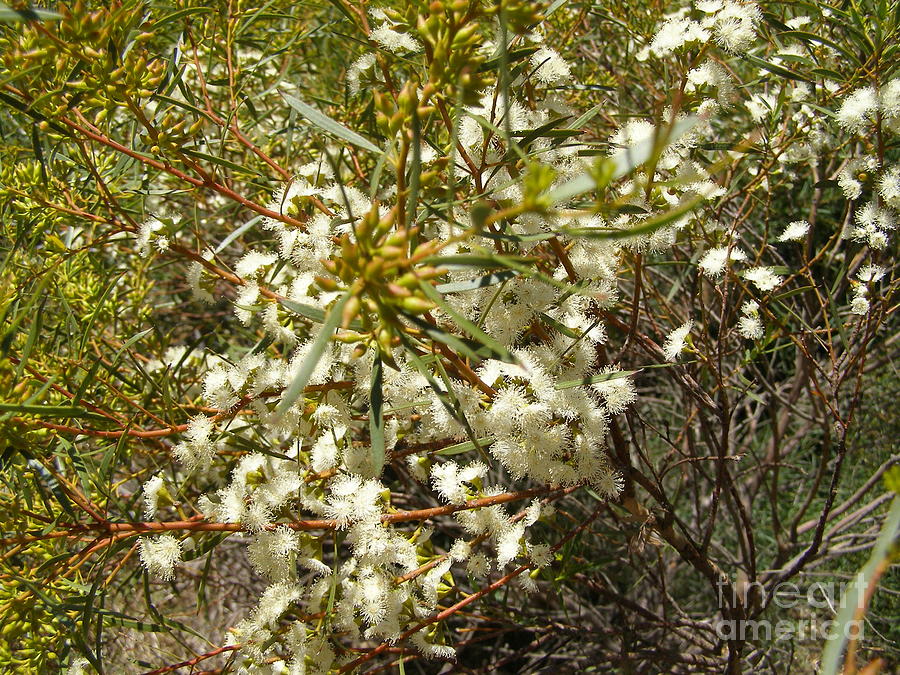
<point x="145" y="149"/>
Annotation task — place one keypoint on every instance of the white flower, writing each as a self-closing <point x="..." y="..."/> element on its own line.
<point x="677" y="32"/>
<point x="78" y="666"/>
<point x="160" y="554"/>
<point x="870" y="273"/>
<point x="617" y="392"/>
<point x="550" y="67"/>
<point x="150" y="493"/>
<point x="750" y="327"/>
<point x="889" y="99"/>
<point x="889" y="186"/>
<point x="854" y="174"/>
<point x="145" y="233"/>
<point x="609" y="483"/>
<point x="540" y="555"/>
<point x="860" y="305"/>
<point x="734" y="25"/>
<point x="795" y="231"/>
<point x="197" y="449"/>
<point x="764" y="278"/>
<point x="394" y="41"/>
<point x="449" y="479"/>
<point x="713" y="262"/>
<point x="478" y="566"/>
<point x="252" y="261"/>
<point x="761" y="106"/>
<point x="509" y="543"/>
<point x="858" y="109"/>
<point x="356" y="70"/>
<point x="675" y="342"/>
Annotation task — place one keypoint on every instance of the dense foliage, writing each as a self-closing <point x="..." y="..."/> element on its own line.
<point x="490" y="335"/>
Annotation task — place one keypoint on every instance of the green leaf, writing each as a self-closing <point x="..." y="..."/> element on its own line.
<point x="180" y="14"/>
<point x="775" y="69"/>
<point x="314" y="314"/>
<point x="855" y="595"/>
<point x="466" y="446"/>
<point x="587" y="117"/>
<point x="10" y="15"/>
<point x="220" y="161"/>
<point x="46" y="410"/>
<point x="602" y="377"/>
<point x="376" y="415"/>
<point x="329" y="125"/>
<point x="478" y="282"/>
<point x="322" y="341"/>
<point x="647" y="226"/>
<point x="474" y="331"/>
<point x="623" y="162"/>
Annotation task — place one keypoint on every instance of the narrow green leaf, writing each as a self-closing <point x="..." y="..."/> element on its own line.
<point x="10" y="15"/>
<point x="322" y="341"/>
<point x="180" y="14"/>
<point x="855" y="595"/>
<point x="602" y="377"/>
<point x="314" y="314"/>
<point x="219" y="161"/>
<point x="466" y="446"/>
<point x="376" y="415"/>
<point x="478" y="282"/>
<point x="329" y="125"/>
<point x="45" y="410"/>
<point x="469" y="327"/>
<point x="587" y="117"/>
<point x="775" y="69"/>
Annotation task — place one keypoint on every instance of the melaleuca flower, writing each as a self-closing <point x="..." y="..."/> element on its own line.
<point x="197" y="449"/>
<point x="160" y="554"/>
<point x="714" y="261"/>
<point x="146" y="235"/>
<point x="550" y="67"/>
<point x="394" y="41"/>
<point x="889" y="187"/>
<point x="855" y="174"/>
<point x="618" y="391"/>
<point x="749" y="325"/>
<point x="676" y="341"/>
<point x="734" y="25"/>
<point x="795" y="231"/>
<point x="764" y="278"/>
<point x="858" y="109"/>
<point x="150" y="492"/>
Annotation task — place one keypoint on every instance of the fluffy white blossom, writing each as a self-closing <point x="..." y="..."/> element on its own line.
<point x="675" y="33"/>
<point x="889" y="187"/>
<point x="394" y="41"/>
<point x="150" y="493"/>
<point x="714" y="261"/>
<point x="870" y="273"/>
<point x="550" y="67"/>
<point x="146" y="236"/>
<point x="197" y="449"/>
<point x="764" y="278"/>
<point x="855" y="174"/>
<point x="676" y="341"/>
<point x="795" y="231"/>
<point x="858" y="109"/>
<point x="734" y="25"/>
<point x="160" y="554"/>
<point x="618" y="391"/>
<point x="749" y="325"/>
